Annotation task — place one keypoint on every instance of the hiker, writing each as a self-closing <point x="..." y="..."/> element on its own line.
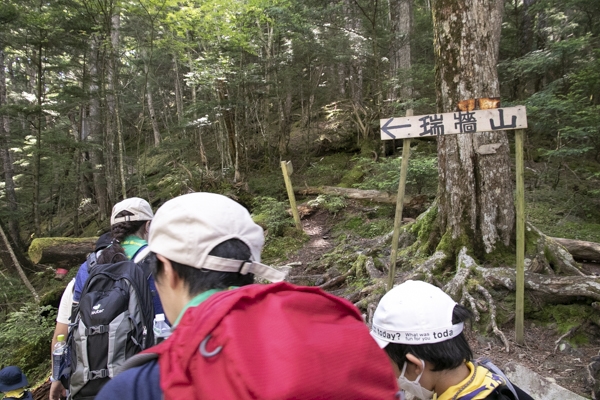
<point x="13" y="383"/>
<point x="65" y="310"/>
<point x="421" y="329"/>
<point x="232" y="339"/>
<point x="82" y="273"/>
<point x="130" y="222"/>
<point x="113" y="320"/>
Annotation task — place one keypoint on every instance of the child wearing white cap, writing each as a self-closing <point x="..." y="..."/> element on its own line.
<point x="421" y="329"/>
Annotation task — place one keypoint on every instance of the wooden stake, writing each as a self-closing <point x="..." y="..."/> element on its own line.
<point x="288" y="169"/>
<point x="520" y="205"/>
<point x="399" y="207"/>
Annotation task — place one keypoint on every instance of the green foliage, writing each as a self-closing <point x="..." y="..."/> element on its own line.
<point x="25" y="339"/>
<point x="277" y="249"/>
<point x="367" y="228"/>
<point x="272" y="215"/>
<point x="385" y="174"/>
<point x="565" y="317"/>
<point x="331" y="203"/>
<point x="327" y="171"/>
<point x="564" y="212"/>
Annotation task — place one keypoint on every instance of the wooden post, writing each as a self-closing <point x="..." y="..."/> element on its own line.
<point x="520" y="205"/>
<point x="288" y="169"/>
<point x="399" y="207"/>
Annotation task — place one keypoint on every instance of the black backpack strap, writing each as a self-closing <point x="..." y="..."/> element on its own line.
<point x="487" y="363"/>
<point x="92" y="261"/>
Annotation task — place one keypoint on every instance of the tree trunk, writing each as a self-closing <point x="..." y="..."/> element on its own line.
<point x="8" y="255"/>
<point x="370" y="195"/>
<point x="400" y="56"/>
<point x="475" y="191"/>
<point x="7" y="162"/>
<point x="114" y="83"/>
<point x="151" y="111"/>
<point x="95" y="135"/>
<point x="66" y="251"/>
<point x="581" y="250"/>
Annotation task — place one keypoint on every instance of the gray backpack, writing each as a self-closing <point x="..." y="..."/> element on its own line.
<point x="112" y="322"/>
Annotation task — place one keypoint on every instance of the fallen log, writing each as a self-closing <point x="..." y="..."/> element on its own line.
<point x="549" y="288"/>
<point x="61" y="250"/>
<point x="580" y="249"/>
<point x="371" y="195"/>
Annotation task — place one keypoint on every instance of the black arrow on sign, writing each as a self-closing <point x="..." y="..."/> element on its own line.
<point x="386" y="128"/>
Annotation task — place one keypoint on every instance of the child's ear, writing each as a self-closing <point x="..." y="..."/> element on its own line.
<point x="418" y="363"/>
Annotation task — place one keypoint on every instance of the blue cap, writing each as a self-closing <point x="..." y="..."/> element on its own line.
<point x="12" y="378"/>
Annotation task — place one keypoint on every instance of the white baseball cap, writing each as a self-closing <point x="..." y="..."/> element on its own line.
<point x="414" y="313"/>
<point x="185" y="229"/>
<point x="139" y="208"/>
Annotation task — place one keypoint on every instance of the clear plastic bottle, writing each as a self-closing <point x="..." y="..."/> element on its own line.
<point x="57" y="353"/>
<point x="162" y="330"/>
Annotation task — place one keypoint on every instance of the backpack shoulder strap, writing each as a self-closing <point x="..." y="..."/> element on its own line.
<point x="487" y="363"/>
<point x="91" y="261"/>
<point x="140" y="254"/>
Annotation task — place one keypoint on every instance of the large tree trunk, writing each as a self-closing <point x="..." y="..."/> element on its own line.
<point x="475" y="191"/>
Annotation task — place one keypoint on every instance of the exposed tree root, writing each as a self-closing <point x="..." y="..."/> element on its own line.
<point x="549" y="287"/>
<point x="492" y="311"/>
<point x="464" y="265"/>
<point x="592" y="369"/>
<point x="550" y="253"/>
<point x="425" y="271"/>
<point x="338" y="280"/>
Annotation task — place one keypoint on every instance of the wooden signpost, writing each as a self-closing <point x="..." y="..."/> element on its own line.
<point x="466" y="121"/>
<point x="288" y="169"/>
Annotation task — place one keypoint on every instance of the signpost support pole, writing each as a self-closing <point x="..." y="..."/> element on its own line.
<point x="520" y="208"/>
<point x="399" y="207"/>
<point x="288" y="169"/>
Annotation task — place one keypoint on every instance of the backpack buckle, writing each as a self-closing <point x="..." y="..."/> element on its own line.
<point x="96" y="330"/>
<point x="98" y="374"/>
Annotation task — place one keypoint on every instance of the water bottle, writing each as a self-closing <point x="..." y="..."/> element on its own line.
<point x="162" y="330"/>
<point x="57" y="353"/>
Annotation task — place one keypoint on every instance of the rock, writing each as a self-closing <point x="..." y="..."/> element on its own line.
<point x="537" y="386"/>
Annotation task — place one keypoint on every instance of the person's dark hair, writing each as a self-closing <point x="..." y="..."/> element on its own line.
<point x="123" y="229"/>
<point x="445" y="355"/>
<point x="112" y="254"/>
<point x="201" y="280"/>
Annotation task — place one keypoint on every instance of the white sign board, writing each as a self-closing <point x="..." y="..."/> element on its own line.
<point x="496" y="119"/>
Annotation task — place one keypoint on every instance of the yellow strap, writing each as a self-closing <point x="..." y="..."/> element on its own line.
<point x="15" y="393"/>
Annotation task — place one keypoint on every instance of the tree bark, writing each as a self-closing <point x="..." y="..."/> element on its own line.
<point x="580" y="249"/>
<point x="400" y="55"/>
<point x="95" y="135"/>
<point x="7" y="162"/>
<point x="151" y="111"/>
<point x="359" y="194"/>
<point x="66" y="251"/>
<point x="9" y="257"/>
<point x="475" y="191"/>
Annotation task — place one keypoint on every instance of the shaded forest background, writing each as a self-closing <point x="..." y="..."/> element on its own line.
<point x="101" y="100"/>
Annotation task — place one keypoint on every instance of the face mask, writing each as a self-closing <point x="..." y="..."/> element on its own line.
<point x="414" y="387"/>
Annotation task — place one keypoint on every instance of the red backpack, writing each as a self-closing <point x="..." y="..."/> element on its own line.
<point x="276" y="341"/>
